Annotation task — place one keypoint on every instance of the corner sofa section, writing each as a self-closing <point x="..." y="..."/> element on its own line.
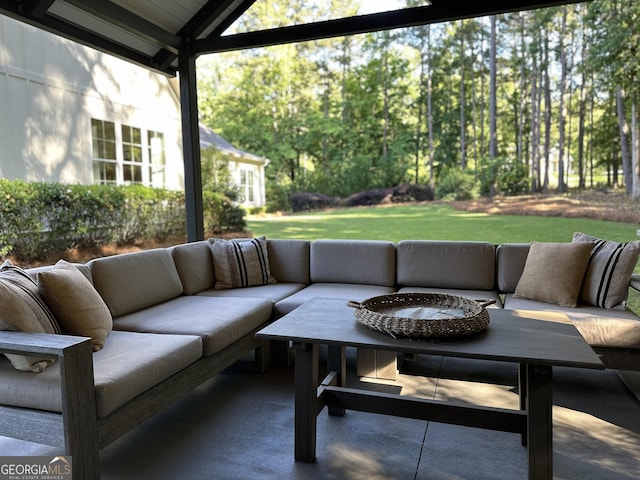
<point x="164" y="343"/>
<point x="173" y="330"/>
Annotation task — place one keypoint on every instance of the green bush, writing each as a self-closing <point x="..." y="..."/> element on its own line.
<point x="499" y="176"/>
<point x="37" y="219"/>
<point x="278" y="197"/>
<point x="457" y="184"/>
<point x="20" y="216"/>
<point x="221" y="214"/>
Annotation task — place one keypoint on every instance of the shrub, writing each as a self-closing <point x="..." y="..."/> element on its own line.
<point x="20" y="216"/>
<point x="457" y="184"/>
<point x="498" y="176"/>
<point x="221" y="214"/>
<point x="37" y="219"/>
<point x="304" y="201"/>
<point x="278" y="197"/>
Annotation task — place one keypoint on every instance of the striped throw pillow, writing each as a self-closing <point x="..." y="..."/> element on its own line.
<point x="240" y="262"/>
<point x="22" y="309"/>
<point x="606" y="282"/>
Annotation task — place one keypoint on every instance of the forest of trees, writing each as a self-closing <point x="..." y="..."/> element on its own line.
<point x="533" y="101"/>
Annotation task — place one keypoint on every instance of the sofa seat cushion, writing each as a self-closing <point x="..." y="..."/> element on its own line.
<point x="219" y="321"/>
<point x="194" y="265"/>
<point x="473" y="294"/>
<point x="133" y="281"/>
<point x="345" y="291"/>
<point x="446" y="264"/>
<point x="289" y="260"/>
<point x="273" y="292"/>
<point x="129" y="364"/>
<point x="360" y="262"/>
<point x="600" y="327"/>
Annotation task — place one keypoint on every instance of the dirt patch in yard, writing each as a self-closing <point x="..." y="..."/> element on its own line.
<point x="611" y="206"/>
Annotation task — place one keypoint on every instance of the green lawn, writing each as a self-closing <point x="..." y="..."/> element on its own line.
<point x="438" y="222"/>
<point x="434" y="222"/>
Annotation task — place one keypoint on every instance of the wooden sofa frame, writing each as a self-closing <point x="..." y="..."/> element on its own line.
<point x="84" y="434"/>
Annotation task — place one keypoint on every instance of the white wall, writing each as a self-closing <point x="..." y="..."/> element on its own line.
<point x="50" y="88"/>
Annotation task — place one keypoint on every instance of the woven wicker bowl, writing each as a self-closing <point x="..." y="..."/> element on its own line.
<point x="422" y="315"/>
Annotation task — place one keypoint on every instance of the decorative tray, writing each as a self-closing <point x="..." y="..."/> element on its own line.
<point x="422" y="315"/>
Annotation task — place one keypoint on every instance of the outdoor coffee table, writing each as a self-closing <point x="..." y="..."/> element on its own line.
<point x="536" y="344"/>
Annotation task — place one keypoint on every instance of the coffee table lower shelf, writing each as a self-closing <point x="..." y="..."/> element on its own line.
<point x="311" y="397"/>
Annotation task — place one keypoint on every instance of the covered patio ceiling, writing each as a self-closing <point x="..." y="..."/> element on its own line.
<point x="168" y="36"/>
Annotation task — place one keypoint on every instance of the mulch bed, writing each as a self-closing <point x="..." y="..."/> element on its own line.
<point x="614" y="207"/>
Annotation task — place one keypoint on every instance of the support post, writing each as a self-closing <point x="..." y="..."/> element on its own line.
<point x="191" y="143"/>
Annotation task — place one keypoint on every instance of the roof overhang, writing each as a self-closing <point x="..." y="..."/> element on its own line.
<point x="153" y="34"/>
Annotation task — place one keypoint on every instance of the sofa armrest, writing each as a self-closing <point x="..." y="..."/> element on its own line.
<point x="39" y="344"/>
<point x="74" y="359"/>
<point x="635" y="281"/>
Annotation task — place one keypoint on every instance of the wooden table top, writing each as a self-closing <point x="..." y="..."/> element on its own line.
<point x="519" y="336"/>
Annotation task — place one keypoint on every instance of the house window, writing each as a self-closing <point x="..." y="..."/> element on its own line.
<point x="123" y="154"/>
<point x="246" y="186"/>
<point x="157" y="162"/>
<point x="104" y="152"/>
<point x="131" y="154"/>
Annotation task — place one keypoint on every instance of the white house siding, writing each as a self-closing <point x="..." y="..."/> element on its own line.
<point x="257" y="196"/>
<point x="51" y="88"/>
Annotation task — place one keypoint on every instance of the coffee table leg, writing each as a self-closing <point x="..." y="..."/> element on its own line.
<point x="306" y="397"/>
<point x="539" y="397"/>
<point x="337" y="362"/>
<point x="522" y="393"/>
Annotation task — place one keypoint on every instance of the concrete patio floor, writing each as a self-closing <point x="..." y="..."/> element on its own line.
<point x="239" y="425"/>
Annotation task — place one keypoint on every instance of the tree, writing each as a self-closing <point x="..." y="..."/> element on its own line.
<point x="493" y="133"/>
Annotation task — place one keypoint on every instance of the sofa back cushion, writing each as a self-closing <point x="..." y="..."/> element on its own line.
<point x="510" y="261"/>
<point x="289" y="260"/>
<point x="194" y="265"/>
<point x="132" y="281"/>
<point x="446" y="264"/>
<point x="366" y="262"/>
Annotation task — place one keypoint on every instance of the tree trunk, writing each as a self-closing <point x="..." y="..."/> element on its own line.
<point x="463" y="138"/>
<point x="421" y="96"/>
<point x="429" y="109"/>
<point x="521" y="100"/>
<point x="623" y="127"/>
<point x="635" y="152"/>
<point x="581" y="115"/>
<point x="535" y="129"/>
<point x="493" y="134"/>
<point x="547" y="115"/>
<point x="562" y="112"/>
<point x="474" y="108"/>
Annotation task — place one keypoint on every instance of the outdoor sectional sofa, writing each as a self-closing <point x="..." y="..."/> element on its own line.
<point x="161" y="322"/>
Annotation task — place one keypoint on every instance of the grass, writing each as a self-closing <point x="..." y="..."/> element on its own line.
<point x="438" y="222"/>
<point x="434" y="222"/>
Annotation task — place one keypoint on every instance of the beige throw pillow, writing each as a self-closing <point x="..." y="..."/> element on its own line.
<point x="23" y="310"/>
<point x="240" y="263"/>
<point x="553" y="272"/>
<point x="606" y="282"/>
<point x="75" y="302"/>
